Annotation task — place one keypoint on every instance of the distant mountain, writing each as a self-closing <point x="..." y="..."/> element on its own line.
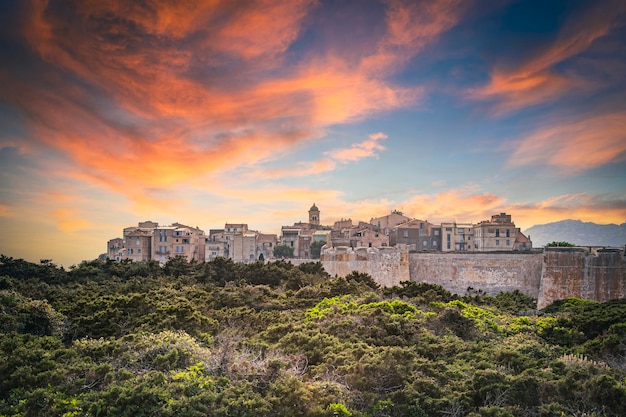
<point x="579" y="233"/>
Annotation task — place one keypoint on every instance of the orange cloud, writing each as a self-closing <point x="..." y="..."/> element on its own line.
<point x="575" y="145"/>
<point x="5" y="210"/>
<point x="171" y="92"/>
<point x="465" y="205"/>
<point x="68" y="221"/>
<point x="535" y="80"/>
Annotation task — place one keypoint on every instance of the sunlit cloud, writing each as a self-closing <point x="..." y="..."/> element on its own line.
<point x="575" y="145"/>
<point x="69" y="222"/>
<point x="536" y="80"/>
<point x="5" y="210"/>
<point x="164" y="114"/>
<point x="365" y="149"/>
<point x="411" y="26"/>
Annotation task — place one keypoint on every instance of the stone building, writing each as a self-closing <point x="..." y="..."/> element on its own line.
<point x="417" y="235"/>
<point x="115" y="249"/>
<point x="457" y="237"/>
<point x="215" y="245"/>
<point x="499" y="234"/>
<point x="178" y="240"/>
<point x="388" y="222"/>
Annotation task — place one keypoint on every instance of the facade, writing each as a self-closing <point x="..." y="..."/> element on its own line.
<point x="366" y="237"/>
<point x="388" y="222"/>
<point x="499" y="234"/>
<point x="178" y="240"/>
<point x="215" y="245"/>
<point x="417" y="235"/>
<point x="138" y="245"/>
<point x="457" y="237"/>
<point x="115" y="249"/>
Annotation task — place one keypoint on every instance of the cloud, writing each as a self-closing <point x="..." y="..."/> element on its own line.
<point x="536" y="79"/>
<point x="5" y="210"/>
<point x="153" y="94"/>
<point x="69" y="222"/>
<point x="575" y="145"/>
<point x="365" y="149"/>
<point x="411" y="26"/>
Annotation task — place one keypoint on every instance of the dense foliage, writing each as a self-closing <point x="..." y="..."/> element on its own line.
<point x="224" y="339"/>
<point x="560" y="244"/>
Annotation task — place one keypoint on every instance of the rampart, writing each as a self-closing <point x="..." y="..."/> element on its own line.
<point x="491" y="272"/>
<point x="589" y="273"/>
<point x="388" y="266"/>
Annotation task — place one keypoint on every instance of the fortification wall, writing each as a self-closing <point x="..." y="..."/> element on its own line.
<point x="598" y="275"/>
<point x="587" y="273"/>
<point x="491" y="272"/>
<point x="387" y="266"/>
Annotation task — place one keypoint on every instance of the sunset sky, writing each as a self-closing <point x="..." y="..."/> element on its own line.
<point x="206" y="112"/>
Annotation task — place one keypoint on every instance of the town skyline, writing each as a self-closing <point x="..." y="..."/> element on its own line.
<point x="205" y="113"/>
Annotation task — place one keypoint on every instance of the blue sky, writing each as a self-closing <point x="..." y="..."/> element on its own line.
<point x="249" y="111"/>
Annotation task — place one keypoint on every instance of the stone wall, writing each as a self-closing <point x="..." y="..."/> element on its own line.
<point x="491" y="272"/>
<point x="387" y="266"/>
<point x="589" y="274"/>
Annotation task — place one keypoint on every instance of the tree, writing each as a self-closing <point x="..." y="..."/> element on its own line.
<point x="283" y="251"/>
<point x="557" y="244"/>
<point x="316" y="249"/>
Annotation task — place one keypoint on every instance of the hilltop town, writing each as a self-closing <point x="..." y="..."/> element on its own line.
<point x="151" y="241"/>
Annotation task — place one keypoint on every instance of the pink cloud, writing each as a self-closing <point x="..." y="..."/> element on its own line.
<point x="535" y="80"/>
<point x="575" y="145"/>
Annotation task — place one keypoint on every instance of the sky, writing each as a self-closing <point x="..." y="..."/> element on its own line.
<point x="204" y="112"/>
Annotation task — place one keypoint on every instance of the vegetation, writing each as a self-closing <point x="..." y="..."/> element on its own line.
<point x="226" y="339"/>
<point x="316" y="249"/>
<point x="283" y="251"/>
<point x="560" y="244"/>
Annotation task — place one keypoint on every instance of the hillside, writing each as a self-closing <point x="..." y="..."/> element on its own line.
<point x="224" y="339"/>
<point x="579" y="233"/>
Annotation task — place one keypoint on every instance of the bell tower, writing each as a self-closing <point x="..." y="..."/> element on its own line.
<point x="314" y="215"/>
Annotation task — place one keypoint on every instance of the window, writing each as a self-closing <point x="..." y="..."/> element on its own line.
<point x="434" y="243"/>
<point x="138" y="250"/>
<point x="405" y="233"/>
<point x="421" y="225"/>
<point x="437" y="232"/>
<point x="508" y="242"/>
<point x="497" y="232"/>
<point x="448" y="238"/>
<point x="425" y="244"/>
<point x="497" y="242"/>
<point x="182" y="249"/>
<point x="251" y="248"/>
<point x="137" y="242"/>
<point x="448" y="229"/>
<point x="176" y="249"/>
<point x="448" y="245"/>
<point x="508" y="233"/>
<point x="461" y="230"/>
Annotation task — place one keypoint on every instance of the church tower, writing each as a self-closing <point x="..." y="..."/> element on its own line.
<point x="314" y="215"/>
